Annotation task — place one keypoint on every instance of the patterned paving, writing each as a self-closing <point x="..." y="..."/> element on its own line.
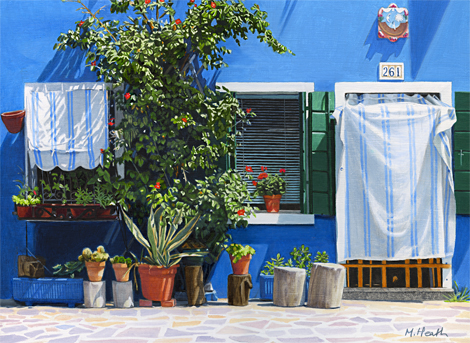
<point x="259" y="322"/>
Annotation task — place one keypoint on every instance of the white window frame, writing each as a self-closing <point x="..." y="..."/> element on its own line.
<point x="283" y="217"/>
<point x="444" y="89"/>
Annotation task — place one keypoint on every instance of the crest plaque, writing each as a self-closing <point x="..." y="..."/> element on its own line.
<point x="393" y="22"/>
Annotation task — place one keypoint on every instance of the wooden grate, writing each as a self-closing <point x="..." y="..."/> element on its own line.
<point x="389" y="274"/>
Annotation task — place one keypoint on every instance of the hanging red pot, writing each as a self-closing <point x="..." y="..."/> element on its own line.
<point x="157" y="282"/>
<point x="13" y="120"/>
<point x="272" y="202"/>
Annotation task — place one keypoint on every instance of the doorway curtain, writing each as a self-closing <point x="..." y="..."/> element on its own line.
<point x="395" y="195"/>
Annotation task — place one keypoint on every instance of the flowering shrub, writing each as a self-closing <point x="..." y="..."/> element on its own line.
<point x="267" y="184"/>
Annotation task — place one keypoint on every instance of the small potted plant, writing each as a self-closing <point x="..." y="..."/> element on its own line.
<point x="25" y="199"/>
<point x="122" y="267"/>
<point x="240" y="257"/>
<point x="95" y="262"/>
<point x="99" y="202"/>
<point x="270" y="186"/>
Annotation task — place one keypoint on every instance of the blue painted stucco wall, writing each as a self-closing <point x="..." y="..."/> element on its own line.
<point x="334" y="41"/>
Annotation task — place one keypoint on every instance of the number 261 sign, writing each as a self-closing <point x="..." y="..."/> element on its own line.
<point x="391" y="71"/>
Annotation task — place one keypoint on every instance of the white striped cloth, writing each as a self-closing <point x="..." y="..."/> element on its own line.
<point x="395" y="196"/>
<point x="66" y="124"/>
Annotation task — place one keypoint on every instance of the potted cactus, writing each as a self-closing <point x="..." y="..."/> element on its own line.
<point x="122" y="267"/>
<point x="95" y="262"/>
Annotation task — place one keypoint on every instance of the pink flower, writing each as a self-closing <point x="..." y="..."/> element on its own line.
<point x="127" y="96"/>
<point x="248" y="110"/>
<point x="213" y="4"/>
<point x="157" y="185"/>
<point x="241" y="212"/>
<point x="262" y="176"/>
<point x="249" y="169"/>
<point x="282" y="171"/>
<point x="178" y="21"/>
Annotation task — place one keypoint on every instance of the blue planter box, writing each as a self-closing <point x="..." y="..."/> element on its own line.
<point x="266" y="284"/>
<point x="48" y="290"/>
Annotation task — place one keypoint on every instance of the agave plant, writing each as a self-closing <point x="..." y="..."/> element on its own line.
<point x="163" y="239"/>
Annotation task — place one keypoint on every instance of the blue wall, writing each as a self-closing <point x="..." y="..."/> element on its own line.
<point x="334" y="41"/>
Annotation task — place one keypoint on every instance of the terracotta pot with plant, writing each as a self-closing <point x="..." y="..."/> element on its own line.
<point x="240" y="257"/>
<point x="122" y="267"/>
<point x="157" y="275"/>
<point x="95" y="262"/>
<point x="270" y="186"/>
<point x="25" y="199"/>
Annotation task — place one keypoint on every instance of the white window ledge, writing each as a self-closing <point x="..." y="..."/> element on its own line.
<point x="282" y="218"/>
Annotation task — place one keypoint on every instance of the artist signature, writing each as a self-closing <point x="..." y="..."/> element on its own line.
<point x="422" y="332"/>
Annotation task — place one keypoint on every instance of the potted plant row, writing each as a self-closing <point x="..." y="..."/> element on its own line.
<point x="300" y="258"/>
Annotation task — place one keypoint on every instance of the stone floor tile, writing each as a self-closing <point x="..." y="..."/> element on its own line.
<point x="457" y="327"/>
<point x="79" y="331"/>
<point x="377" y="328"/>
<point x="202" y="328"/>
<point x="439" y="313"/>
<point x="215" y="316"/>
<point x="275" y="333"/>
<point x="68" y="339"/>
<point x="241" y="320"/>
<point x="16" y="328"/>
<point x="328" y="331"/>
<point x="300" y="332"/>
<point x="107" y="324"/>
<point x="258" y="324"/>
<point x="343" y="323"/>
<point x="234" y="330"/>
<point x="189" y="323"/>
<point x="209" y="339"/>
<point x="407" y="319"/>
<point x="380" y="319"/>
<point x="113" y="340"/>
<point x="124" y="312"/>
<point x="149" y="332"/>
<point x="359" y="320"/>
<point x="250" y="339"/>
<point x="286" y="320"/>
<point x="276" y="325"/>
<point x="176" y="333"/>
<point x="306" y="323"/>
<point x="104" y="333"/>
<point x="388" y="336"/>
<point x="300" y="340"/>
<point x="33" y="333"/>
<point x="215" y="321"/>
<point x="349" y="339"/>
<point x="173" y="340"/>
<point x="464" y="314"/>
<point x="13" y="338"/>
<point x="405" y="325"/>
<point x="28" y="312"/>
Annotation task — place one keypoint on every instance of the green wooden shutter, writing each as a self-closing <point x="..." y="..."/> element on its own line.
<point x="319" y="131"/>
<point x="304" y="154"/>
<point x="462" y="152"/>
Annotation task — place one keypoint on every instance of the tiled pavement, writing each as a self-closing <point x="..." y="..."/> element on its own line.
<point x="355" y="321"/>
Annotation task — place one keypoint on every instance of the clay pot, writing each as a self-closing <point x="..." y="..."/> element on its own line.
<point x="13" y="120"/>
<point x="120" y="270"/>
<point x="157" y="282"/>
<point x="242" y="265"/>
<point x="95" y="270"/>
<point x="272" y="202"/>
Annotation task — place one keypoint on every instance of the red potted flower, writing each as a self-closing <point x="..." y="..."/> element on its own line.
<point x="26" y="198"/>
<point x="270" y="186"/>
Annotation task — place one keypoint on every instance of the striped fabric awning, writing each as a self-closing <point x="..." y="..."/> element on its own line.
<point x="66" y="124"/>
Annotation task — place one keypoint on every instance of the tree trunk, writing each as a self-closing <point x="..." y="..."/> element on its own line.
<point x="194" y="285"/>
<point x="326" y="285"/>
<point x="239" y="289"/>
<point x="288" y="288"/>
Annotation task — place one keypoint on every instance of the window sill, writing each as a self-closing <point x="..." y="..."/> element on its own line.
<point x="282" y="218"/>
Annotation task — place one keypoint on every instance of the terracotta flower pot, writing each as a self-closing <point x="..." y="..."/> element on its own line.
<point x="157" y="282"/>
<point x="120" y="270"/>
<point x="24" y="211"/>
<point x="95" y="270"/>
<point x="13" y="120"/>
<point x="272" y="202"/>
<point x="242" y="265"/>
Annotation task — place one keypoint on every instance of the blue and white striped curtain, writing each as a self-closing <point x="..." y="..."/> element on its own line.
<point x="395" y="195"/>
<point x="66" y="124"/>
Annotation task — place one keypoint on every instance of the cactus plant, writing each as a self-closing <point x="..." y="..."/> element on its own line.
<point x="100" y="255"/>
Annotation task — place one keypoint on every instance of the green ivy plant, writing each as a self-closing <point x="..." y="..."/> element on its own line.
<point x="238" y="251"/>
<point x="174" y="132"/>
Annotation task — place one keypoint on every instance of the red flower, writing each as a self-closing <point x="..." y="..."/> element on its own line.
<point x="241" y="212"/>
<point x="81" y="23"/>
<point x="93" y="63"/>
<point x="262" y="176"/>
<point x="249" y="169"/>
<point x="147" y="1"/>
<point x="178" y="21"/>
<point x="127" y="96"/>
<point x="192" y="1"/>
<point x="282" y="170"/>
<point x="248" y="110"/>
<point x="184" y="120"/>
<point x="213" y="4"/>
<point x="195" y="5"/>
<point x="264" y="168"/>
<point x="111" y="123"/>
<point x="102" y="151"/>
<point x="254" y="183"/>
<point x="162" y="0"/>
<point x="157" y="185"/>
<point x="34" y="192"/>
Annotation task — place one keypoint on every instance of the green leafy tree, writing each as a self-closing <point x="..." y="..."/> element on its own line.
<point x="174" y="131"/>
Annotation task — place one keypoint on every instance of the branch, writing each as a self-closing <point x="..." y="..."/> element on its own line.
<point x="94" y="16"/>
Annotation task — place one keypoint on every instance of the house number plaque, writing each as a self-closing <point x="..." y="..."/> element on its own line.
<point x="391" y="71"/>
